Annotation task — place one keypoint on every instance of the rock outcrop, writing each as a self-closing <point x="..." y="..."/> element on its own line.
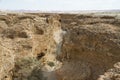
<point x="41" y="46"/>
<point x="112" y="74"/>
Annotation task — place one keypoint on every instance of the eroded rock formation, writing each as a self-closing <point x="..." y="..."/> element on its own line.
<point x="37" y="46"/>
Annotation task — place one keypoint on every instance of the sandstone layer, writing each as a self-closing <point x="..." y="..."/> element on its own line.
<point x="42" y="46"/>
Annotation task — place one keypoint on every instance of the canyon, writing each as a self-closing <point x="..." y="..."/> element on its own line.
<point x="59" y="46"/>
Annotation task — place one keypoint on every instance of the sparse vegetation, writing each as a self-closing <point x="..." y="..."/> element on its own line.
<point x="51" y="64"/>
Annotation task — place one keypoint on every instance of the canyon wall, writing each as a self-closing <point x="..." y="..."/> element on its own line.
<point x="42" y="46"/>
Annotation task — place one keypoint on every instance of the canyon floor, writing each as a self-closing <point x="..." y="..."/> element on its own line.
<point x="59" y="46"/>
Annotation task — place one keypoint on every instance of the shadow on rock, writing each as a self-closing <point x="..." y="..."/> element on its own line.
<point x="36" y="74"/>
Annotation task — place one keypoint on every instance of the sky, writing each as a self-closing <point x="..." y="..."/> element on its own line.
<point x="59" y="5"/>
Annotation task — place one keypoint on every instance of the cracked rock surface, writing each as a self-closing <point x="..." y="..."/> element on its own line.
<point x="45" y="46"/>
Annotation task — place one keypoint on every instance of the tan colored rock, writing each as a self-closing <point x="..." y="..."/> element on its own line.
<point x="112" y="74"/>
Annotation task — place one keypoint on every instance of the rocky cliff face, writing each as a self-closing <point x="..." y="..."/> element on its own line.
<point x="37" y="46"/>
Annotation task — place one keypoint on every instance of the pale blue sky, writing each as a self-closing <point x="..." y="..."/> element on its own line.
<point x="61" y="5"/>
